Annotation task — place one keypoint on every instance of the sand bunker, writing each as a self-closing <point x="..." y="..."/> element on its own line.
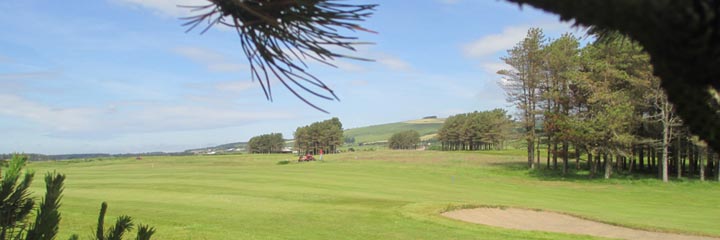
<point x="555" y="222"/>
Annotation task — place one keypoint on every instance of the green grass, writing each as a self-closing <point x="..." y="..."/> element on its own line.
<point x="363" y="195"/>
<point x="384" y="131"/>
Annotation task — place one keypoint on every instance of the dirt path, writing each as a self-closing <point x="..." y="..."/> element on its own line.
<point x="555" y="222"/>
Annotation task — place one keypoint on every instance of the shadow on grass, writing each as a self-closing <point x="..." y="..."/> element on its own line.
<point x="544" y="173"/>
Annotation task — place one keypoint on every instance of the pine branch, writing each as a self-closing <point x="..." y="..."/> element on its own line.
<point x="122" y="225"/>
<point x="47" y="220"/>
<point x="99" y="233"/>
<point x="278" y="36"/>
<point x="15" y="201"/>
<point x="144" y="232"/>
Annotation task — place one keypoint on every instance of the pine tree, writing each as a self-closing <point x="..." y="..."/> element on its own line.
<point x="522" y="83"/>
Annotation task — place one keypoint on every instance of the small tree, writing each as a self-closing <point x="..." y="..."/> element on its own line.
<point x="404" y="140"/>
<point x="266" y="143"/>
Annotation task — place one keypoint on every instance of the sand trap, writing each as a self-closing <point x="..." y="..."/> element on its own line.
<point x="555" y="222"/>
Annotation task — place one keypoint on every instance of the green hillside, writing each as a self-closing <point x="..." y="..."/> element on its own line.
<point x="383" y="132"/>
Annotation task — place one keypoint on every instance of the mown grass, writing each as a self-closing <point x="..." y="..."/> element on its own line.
<point x="368" y="195"/>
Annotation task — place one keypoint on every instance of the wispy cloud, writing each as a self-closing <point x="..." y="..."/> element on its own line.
<point x="494" y="67"/>
<point x="4" y="59"/>
<point x="59" y="119"/>
<point x="450" y="1"/>
<point x="166" y="7"/>
<point x="214" y="61"/>
<point x="347" y="66"/>
<point x="492" y="44"/>
<point x="29" y="75"/>
<point x="393" y="62"/>
<point x="120" y="119"/>
<point x="236" y="86"/>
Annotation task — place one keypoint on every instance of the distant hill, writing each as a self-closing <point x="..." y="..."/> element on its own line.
<point x="426" y="127"/>
<point x="228" y="147"/>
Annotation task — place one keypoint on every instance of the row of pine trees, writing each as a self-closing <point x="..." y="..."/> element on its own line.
<point x="486" y="130"/>
<point x="600" y="102"/>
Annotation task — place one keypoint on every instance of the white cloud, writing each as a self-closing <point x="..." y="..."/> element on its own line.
<point x="69" y="119"/>
<point x="166" y="7"/>
<point x="358" y="83"/>
<point x="500" y="42"/>
<point x="29" y="75"/>
<point x="236" y="86"/>
<point x="121" y="119"/>
<point x="494" y="67"/>
<point x="343" y="65"/>
<point x="214" y="61"/>
<point x="393" y="63"/>
<point x="4" y="59"/>
<point x="492" y="44"/>
<point x="450" y="1"/>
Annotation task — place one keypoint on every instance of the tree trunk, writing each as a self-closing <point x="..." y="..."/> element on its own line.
<point x="577" y="158"/>
<point x="678" y="162"/>
<point x="592" y="164"/>
<point x="632" y="160"/>
<point x="608" y="166"/>
<point x="565" y="153"/>
<point x="666" y="145"/>
<point x="702" y="168"/>
<point x="548" y="154"/>
<point x="641" y="158"/>
<point x="555" y="152"/>
<point x="537" y="153"/>
<point x="531" y="153"/>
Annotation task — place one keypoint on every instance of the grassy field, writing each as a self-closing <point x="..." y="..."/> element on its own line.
<point x="384" y="131"/>
<point x="376" y="195"/>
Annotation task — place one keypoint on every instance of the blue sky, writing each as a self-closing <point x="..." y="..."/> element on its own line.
<point x="121" y="76"/>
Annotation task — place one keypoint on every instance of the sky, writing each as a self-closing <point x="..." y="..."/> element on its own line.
<point x="123" y="76"/>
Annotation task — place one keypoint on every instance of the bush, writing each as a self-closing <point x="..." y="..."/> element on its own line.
<point x="283" y="162"/>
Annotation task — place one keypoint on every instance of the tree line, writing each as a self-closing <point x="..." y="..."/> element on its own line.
<point x="602" y="101"/>
<point x="266" y="143"/>
<point x="484" y="130"/>
<point x="326" y="135"/>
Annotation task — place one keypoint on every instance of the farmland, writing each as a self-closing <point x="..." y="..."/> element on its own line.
<point x="382" y="132"/>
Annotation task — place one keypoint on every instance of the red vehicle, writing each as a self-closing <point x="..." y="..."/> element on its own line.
<point x="306" y="158"/>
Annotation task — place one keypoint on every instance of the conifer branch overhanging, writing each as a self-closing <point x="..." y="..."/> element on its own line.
<point x="279" y="36"/>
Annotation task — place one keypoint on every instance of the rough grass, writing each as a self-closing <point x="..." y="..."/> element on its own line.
<point x="368" y="195"/>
